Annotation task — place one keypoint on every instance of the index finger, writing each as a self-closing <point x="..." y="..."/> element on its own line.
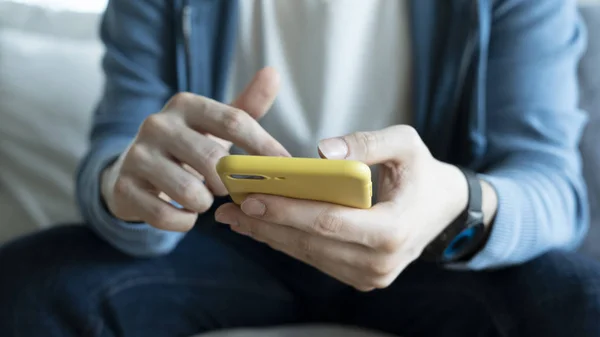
<point x="328" y="220"/>
<point x="229" y="123"/>
<point x="258" y="96"/>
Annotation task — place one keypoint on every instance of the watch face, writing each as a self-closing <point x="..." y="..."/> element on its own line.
<point x="463" y="243"/>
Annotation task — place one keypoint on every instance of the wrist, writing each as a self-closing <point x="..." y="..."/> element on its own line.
<point x="465" y="232"/>
<point x="460" y="195"/>
<point x="458" y="188"/>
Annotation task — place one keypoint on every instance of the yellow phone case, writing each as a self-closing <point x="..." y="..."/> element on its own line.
<point x="343" y="182"/>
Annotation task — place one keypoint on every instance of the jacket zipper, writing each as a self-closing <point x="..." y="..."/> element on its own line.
<point x="467" y="56"/>
<point x="466" y="62"/>
<point x="186" y="28"/>
<point x="474" y="125"/>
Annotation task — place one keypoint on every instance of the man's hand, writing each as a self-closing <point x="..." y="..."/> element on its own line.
<point x="418" y="197"/>
<point x="175" y="153"/>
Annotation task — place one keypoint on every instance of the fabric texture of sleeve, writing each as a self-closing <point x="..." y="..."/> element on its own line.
<point x="534" y="128"/>
<point x="140" y="77"/>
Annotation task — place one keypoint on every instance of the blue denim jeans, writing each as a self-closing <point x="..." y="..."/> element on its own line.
<point x="68" y="282"/>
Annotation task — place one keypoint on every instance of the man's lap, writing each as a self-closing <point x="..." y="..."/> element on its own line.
<point x="80" y="280"/>
<point x="559" y="290"/>
<point x="68" y="280"/>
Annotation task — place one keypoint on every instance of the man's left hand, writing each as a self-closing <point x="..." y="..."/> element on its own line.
<point x="418" y="197"/>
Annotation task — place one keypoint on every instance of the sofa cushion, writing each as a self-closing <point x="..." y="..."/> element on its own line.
<point x="589" y="76"/>
<point x="50" y="79"/>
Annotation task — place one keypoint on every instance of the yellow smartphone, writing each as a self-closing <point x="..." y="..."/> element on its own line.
<point x="342" y="182"/>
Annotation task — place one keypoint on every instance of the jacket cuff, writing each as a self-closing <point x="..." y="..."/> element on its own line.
<point x="137" y="239"/>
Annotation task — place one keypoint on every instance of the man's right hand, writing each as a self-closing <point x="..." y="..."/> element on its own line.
<point x="174" y="155"/>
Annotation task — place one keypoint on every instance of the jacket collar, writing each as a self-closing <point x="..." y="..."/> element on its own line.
<point x="440" y="63"/>
<point x="446" y="46"/>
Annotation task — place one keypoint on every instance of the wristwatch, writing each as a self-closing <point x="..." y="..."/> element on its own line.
<point x="466" y="234"/>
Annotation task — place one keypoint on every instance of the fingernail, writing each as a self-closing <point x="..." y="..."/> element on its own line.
<point x="226" y="219"/>
<point x="333" y="148"/>
<point x="253" y="207"/>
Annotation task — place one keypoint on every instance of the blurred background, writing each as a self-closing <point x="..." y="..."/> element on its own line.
<point x="89" y="6"/>
<point x="50" y="81"/>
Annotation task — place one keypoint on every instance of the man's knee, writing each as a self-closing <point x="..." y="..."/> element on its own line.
<point x="553" y="273"/>
<point x="52" y="253"/>
<point x="46" y="272"/>
<point x="555" y="294"/>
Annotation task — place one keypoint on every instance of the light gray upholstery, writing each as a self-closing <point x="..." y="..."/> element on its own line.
<point x="589" y="75"/>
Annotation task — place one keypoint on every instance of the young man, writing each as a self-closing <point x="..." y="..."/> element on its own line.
<point x="467" y="109"/>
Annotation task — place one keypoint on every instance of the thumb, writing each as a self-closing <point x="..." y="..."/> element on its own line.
<point x="259" y="94"/>
<point x="398" y="144"/>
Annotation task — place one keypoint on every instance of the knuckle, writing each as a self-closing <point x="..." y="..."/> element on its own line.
<point x="154" y="124"/>
<point x="187" y="226"/>
<point x="363" y="288"/>
<point x="181" y="100"/>
<point x="204" y="207"/>
<point x="366" y="142"/>
<point x="408" y="132"/>
<point x="390" y="243"/>
<point x="188" y="189"/>
<point x="233" y="120"/>
<point x="381" y="268"/>
<point x="122" y="187"/>
<point x="179" y="141"/>
<point x="137" y="153"/>
<point x="205" y="202"/>
<point x="411" y="139"/>
<point x="411" y="253"/>
<point x="328" y="222"/>
<point x="304" y="245"/>
<point x="381" y="282"/>
<point x="252" y="232"/>
<point x="213" y="154"/>
<point x="160" y="216"/>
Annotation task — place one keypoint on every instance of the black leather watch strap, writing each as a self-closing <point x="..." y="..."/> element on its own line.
<point x="465" y="233"/>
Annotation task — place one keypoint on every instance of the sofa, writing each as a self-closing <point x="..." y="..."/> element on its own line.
<point x="50" y="80"/>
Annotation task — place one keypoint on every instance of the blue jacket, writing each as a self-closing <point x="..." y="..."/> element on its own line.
<point x="495" y="89"/>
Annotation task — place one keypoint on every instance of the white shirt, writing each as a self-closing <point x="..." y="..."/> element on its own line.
<point x="345" y="66"/>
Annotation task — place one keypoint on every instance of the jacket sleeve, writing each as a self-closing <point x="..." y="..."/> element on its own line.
<point x="533" y="129"/>
<point x="139" y="69"/>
